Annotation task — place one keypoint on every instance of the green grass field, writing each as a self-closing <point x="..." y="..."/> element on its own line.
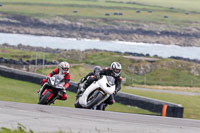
<point x="24" y="55"/>
<point x="98" y="8"/>
<point x="190" y="5"/>
<point x="20" y="91"/>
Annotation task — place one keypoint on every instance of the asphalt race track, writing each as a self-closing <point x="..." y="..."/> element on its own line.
<point x="42" y="118"/>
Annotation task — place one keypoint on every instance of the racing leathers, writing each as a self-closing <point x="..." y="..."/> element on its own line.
<point x="66" y="80"/>
<point x="108" y="72"/>
<point x="91" y="77"/>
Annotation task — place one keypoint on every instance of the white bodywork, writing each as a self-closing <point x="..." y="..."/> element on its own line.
<point x="102" y="84"/>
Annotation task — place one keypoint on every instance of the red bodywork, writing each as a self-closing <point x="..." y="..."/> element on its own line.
<point x="45" y="91"/>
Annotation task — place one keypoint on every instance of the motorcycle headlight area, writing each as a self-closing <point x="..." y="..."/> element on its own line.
<point x="52" y="81"/>
<point x="108" y="85"/>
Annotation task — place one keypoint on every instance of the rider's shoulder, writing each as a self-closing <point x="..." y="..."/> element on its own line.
<point x="56" y="70"/>
<point x="106" y="68"/>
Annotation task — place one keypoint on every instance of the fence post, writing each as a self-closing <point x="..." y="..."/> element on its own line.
<point x="35" y="62"/>
<point x="43" y="63"/>
<point x="191" y="83"/>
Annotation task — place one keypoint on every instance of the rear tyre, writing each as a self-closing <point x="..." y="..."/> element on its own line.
<point x="77" y="105"/>
<point x="79" y="93"/>
<point x="44" y="99"/>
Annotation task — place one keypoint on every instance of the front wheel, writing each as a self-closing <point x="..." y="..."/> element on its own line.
<point x="102" y="107"/>
<point x="96" y="97"/>
<point x="44" y="99"/>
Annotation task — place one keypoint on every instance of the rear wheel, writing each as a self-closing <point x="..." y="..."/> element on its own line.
<point x="78" y="94"/>
<point x="44" y="99"/>
<point x="77" y="105"/>
<point x="93" y="99"/>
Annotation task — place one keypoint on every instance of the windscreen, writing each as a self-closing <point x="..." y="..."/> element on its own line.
<point x="110" y="80"/>
<point x="59" y="80"/>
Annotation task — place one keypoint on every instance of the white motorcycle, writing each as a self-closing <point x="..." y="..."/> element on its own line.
<point x="95" y="94"/>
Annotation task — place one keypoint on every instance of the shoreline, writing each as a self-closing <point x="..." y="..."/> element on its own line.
<point x="92" y="39"/>
<point x="140" y="56"/>
<point x="129" y="33"/>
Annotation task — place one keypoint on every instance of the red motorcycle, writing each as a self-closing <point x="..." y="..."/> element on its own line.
<point x="51" y="90"/>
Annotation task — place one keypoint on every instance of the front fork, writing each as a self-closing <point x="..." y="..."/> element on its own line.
<point x="106" y="97"/>
<point x="41" y="91"/>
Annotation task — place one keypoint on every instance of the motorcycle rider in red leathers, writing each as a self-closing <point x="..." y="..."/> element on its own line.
<point x="63" y="69"/>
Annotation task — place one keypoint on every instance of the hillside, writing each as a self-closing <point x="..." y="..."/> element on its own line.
<point x="142" y="71"/>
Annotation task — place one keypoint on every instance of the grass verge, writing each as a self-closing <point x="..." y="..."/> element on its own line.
<point x="190" y="103"/>
<point x="20" y="129"/>
<point x="20" y="91"/>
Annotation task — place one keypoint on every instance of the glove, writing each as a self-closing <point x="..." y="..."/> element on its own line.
<point x="115" y="92"/>
<point x="82" y="79"/>
<point x="64" y="89"/>
<point x="47" y="77"/>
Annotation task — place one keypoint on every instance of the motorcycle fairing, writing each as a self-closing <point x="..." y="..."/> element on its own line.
<point x="101" y="83"/>
<point x="83" y="98"/>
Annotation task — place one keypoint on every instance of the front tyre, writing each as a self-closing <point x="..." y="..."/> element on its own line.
<point x="102" y="107"/>
<point x="44" y="99"/>
<point x="96" y="97"/>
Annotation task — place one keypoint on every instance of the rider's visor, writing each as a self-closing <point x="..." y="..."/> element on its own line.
<point x="117" y="70"/>
<point x="65" y="69"/>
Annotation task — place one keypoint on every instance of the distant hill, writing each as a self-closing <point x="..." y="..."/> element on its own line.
<point x="136" y="69"/>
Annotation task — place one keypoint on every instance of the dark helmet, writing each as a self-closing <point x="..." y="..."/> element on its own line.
<point x="97" y="69"/>
<point x="116" y="68"/>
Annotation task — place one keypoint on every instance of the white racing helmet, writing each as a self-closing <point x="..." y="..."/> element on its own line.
<point x="64" y="67"/>
<point x="116" y="68"/>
